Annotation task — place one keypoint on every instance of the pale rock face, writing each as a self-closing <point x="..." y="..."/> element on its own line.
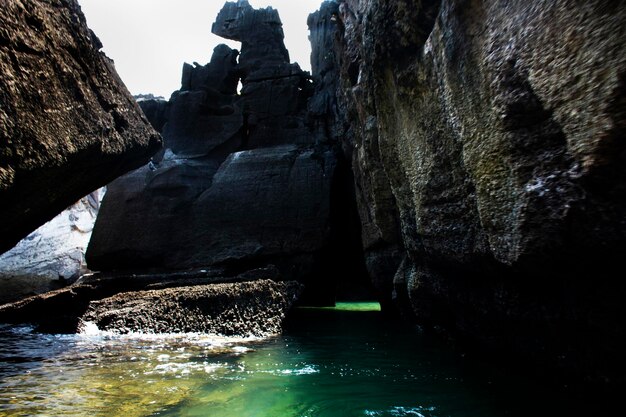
<point x="51" y="255"/>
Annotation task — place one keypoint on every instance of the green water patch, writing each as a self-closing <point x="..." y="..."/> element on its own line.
<point x="67" y="375"/>
<point x="348" y="361"/>
<point x="348" y="306"/>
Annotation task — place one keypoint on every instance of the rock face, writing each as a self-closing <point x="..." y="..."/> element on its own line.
<point x="248" y="309"/>
<point x="245" y="180"/>
<point x="67" y="123"/>
<point x="486" y="140"/>
<point x="51" y="256"/>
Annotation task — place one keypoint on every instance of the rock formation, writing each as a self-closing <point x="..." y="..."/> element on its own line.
<point x="67" y="123"/>
<point x="486" y="140"/>
<point x="248" y="309"/>
<point x="51" y="256"/>
<point x="483" y="142"/>
<point x="245" y="179"/>
<point x="189" y="302"/>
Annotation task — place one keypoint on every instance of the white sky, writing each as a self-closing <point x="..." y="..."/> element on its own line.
<point x="150" y="39"/>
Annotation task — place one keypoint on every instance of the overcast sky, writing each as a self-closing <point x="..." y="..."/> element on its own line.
<point x="150" y="39"/>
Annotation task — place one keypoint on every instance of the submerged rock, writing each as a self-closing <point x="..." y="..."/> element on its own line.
<point x="239" y="309"/>
<point x="486" y="144"/>
<point x="67" y="123"/>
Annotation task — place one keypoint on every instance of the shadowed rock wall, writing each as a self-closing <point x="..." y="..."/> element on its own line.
<point x="486" y="139"/>
<point x="67" y="123"/>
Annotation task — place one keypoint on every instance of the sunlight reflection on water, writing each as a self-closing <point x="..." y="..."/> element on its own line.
<point x="342" y="362"/>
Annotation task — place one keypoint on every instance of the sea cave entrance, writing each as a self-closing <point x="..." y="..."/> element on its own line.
<point x="340" y="274"/>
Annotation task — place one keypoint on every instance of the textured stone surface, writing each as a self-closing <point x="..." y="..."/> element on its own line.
<point x="67" y="123"/>
<point x="248" y="309"/>
<point x="51" y="256"/>
<point x="261" y="34"/>
<point x="246" y="179"/>
<point x="59" y="311"/>
<point x="260" y="203"/>
<point x="486" y="140"/>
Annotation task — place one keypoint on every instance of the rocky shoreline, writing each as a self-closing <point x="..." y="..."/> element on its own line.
<point x="461" y="162"/>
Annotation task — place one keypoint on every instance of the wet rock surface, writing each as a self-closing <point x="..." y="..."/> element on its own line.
<point x="67" y="123"/>
<point x="485" y="144"/>
<point x="238" y="309"/>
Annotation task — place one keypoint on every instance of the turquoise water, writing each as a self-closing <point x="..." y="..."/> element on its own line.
<point x="330" y="362"/>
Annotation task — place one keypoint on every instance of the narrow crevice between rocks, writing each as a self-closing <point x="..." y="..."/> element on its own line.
<point x="340" y="272"/>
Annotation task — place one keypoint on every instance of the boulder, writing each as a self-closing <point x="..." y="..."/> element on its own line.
<point x="259" y="31"/>
<point x="60" y="311"/>
<point x="247" y="309"/>
<point x="68" y="125"/>
<point x="204" y="301"/>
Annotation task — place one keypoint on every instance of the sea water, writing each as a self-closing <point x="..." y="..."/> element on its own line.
<point x="347" y="361"/>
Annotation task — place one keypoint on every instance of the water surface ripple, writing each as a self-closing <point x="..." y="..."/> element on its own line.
<point x="330" y="362"/>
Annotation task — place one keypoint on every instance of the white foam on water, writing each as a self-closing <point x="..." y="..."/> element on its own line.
<point x="90" y="331"/>
<point x="399" y="411"/>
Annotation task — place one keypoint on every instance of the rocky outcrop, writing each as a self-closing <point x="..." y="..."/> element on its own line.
<point x="60" y="311"/>
<point x="194" y="301"/>
<point x="51" y="256"/>
<point x="155" y="109"/>
<point x="249" y="309"/>
<point x="485" y="139"/>
<point x="67" y="123"/>
<point x="246" y="178"/>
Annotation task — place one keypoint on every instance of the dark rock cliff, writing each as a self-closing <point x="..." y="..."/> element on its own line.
<point x="67" y="123"/>
<point x="487" y="143"/>
<point x="247" y="179"/>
